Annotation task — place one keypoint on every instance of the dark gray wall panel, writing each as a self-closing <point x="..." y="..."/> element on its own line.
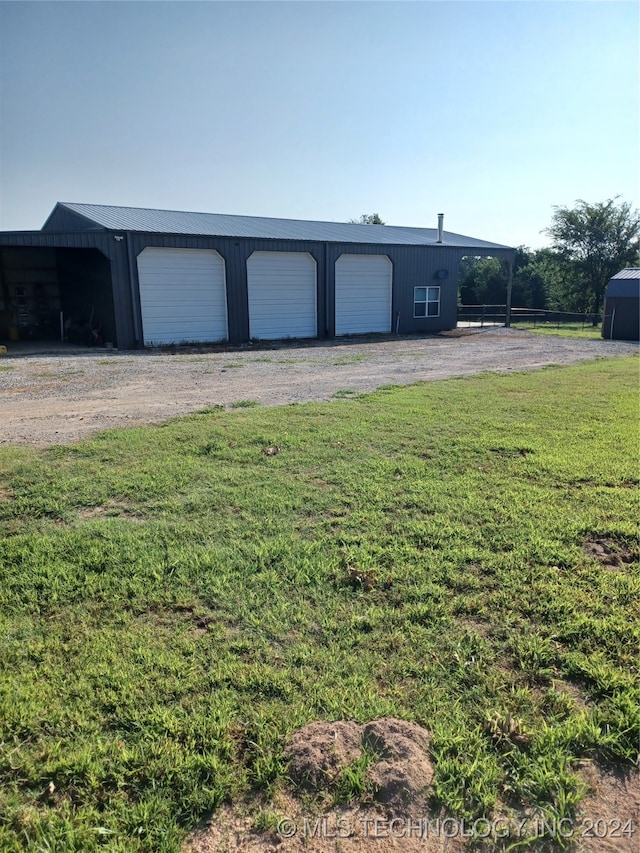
<point x="63" y="219"/>
<point x="412" y="266"/>
<point x="624" y="314"/>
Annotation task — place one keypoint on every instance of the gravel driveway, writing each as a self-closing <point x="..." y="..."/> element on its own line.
<point x="60" y="399"/>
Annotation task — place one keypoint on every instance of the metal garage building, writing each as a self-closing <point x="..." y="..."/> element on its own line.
<point x="621" y="320"/>
<point x="150" y="277"/>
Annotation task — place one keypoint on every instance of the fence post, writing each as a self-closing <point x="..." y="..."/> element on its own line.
<point x="482" y="318"/>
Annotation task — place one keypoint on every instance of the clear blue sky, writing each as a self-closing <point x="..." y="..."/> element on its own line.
<point x="491" y="112"/>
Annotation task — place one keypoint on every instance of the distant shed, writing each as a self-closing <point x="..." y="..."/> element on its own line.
<point x="621" y="319"/>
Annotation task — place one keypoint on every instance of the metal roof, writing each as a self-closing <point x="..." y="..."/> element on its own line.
<point x="629" y="272"/>
<point x="228" y="225"/>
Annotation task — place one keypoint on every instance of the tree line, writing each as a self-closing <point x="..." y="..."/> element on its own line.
<point x="590" y="244"/>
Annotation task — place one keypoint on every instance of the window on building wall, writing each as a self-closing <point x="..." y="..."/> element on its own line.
<point x="426" y="301"/>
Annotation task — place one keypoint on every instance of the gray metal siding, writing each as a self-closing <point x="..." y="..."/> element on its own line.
<point x="622" y="306"/>
<point x="623" y="313"/>
<point x="63" y="219"/>
<point x="418" y="269"/>
<point x="412" y="266"/>
<point x="623" y="288"/>
<point x="101" y="240"/>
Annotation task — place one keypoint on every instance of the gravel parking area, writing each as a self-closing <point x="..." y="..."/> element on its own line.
<point x="60" y="399"/>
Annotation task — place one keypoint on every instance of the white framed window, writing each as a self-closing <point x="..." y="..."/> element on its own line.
<point x="426" y="301"/>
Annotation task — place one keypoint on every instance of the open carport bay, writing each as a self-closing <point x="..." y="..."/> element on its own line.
<point x="45" y="287"/>
<point x="60" y="399"/>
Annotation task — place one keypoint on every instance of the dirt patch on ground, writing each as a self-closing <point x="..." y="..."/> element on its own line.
<point x="109" y="509"/>
<point x="197" y="620"/>
<point x="608" y="820"/>
<point x="391" y="755"/>
<point x="395" y="769"/>
<point x="610" y="553"/>
<point x="393" y="813"/>
<point x="609" y="816"/>
<point x="340" y="830"/>
<point x="401" y="773"/>
<point x="59" y="399"/>
<point x="481" y="628"/>
<point x="572" y="690"/>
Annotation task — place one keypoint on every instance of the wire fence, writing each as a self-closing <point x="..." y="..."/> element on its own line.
<point x="540" y="316"/>
<point x="496" y="315"/>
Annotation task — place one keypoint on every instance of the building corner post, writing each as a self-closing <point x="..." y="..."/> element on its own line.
<point x="507" y="322"/>
<point x="134" y="293"/>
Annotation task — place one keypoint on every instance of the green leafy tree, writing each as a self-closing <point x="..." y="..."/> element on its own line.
<point x="482" y="281"/>
<point x="485" y="280"/>
<point x="538" y="280"/>
<point x="368" y="219"/>
<point x="593" y="242"/>
<point x="558" y="278"/>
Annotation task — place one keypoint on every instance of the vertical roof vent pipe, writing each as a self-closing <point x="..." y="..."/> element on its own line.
<point x="440" y="226"/>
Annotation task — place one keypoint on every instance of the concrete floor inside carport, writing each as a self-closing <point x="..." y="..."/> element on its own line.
<point x="16" y="349"/>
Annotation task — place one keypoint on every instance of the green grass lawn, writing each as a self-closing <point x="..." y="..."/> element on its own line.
<point x="176" y="599"/>
<point x="562" y="330"/>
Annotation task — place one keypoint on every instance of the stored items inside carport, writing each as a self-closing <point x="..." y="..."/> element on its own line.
<point x="153" y="277"/>
<point x="51" y="292"/>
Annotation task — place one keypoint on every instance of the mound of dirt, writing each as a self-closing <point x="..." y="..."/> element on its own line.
<point x="395" y="816"/>
<point x="610" y="553"/>
<point x="318" y="752"/>
<point x="403" y="771"/>
<point x="398" y="773"/>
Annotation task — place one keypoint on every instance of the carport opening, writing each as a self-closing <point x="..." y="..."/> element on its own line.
<point x="482" y="290"/>
<point x="54" y="294"/>
<point x="483" y="285"/>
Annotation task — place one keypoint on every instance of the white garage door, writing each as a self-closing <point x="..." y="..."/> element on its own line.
<point x="182" y="295"/>
<point x="363" y="294"/>
<point x="282" y="295"/>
